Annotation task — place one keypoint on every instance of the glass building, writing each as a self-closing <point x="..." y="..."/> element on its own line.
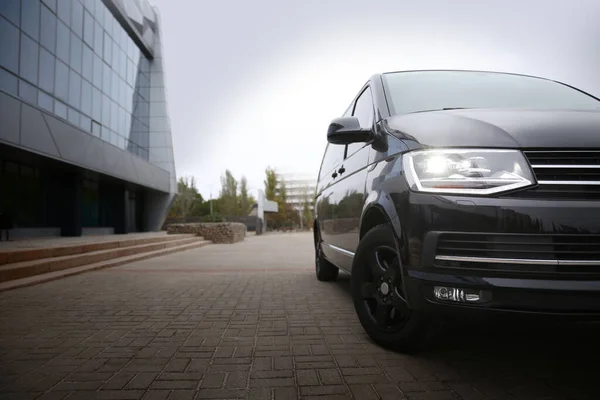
<point x="85" y="137"/>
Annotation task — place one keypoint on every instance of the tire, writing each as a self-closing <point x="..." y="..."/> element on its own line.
<point x="324" y="270"/>
<point x="376" y="288"/>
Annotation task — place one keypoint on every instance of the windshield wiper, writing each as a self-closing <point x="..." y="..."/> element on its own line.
<point x="440" y="109"/>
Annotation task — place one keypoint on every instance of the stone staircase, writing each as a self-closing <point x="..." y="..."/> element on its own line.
<point x="28" y="266"/>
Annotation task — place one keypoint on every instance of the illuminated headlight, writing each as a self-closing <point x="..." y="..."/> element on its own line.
<point x="467" y="171"/>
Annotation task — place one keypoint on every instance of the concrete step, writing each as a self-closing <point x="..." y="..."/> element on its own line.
<point x="50" y="276"/>
<point x="30" y="254"/>
<point x="43" y="266"/>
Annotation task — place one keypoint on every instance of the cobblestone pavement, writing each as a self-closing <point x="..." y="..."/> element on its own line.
<point x="251" y="321"/>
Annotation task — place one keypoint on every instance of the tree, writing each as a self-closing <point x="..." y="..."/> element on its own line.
<point x="307" y="214"/>
<point x="270" y="184"/>
<point x="228" y="194"/>
<point x="282" y="202"/>
<point x="244" y="202"/>
<point x="188" y="198"/>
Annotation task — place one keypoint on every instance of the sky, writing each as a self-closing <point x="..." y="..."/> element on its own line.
<point x="253" y="84"/>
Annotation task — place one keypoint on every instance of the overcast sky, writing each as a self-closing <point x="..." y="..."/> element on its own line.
<point x="255" y="83"/>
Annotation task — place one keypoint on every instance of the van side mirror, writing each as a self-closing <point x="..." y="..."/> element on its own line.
<point x="346" y="130"/>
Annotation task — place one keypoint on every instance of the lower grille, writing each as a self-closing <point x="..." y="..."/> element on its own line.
<point x="577" y="253"/>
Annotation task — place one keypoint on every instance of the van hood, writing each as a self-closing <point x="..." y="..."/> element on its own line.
<point x="497" y="128"/>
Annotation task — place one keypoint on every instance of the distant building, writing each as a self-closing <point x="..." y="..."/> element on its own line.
<point x="85" y="137"/>
<point x="299" y="188"/>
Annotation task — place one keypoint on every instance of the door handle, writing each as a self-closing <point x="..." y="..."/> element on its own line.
<point x="334" y="175"/>
<point x="342" y="170"/>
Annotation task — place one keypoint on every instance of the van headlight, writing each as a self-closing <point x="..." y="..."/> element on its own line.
<point x="467" y="171"/>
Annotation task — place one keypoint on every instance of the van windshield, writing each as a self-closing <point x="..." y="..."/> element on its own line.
<point x="416" y="91"/>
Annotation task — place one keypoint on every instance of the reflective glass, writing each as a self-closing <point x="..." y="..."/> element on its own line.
<point x="88" y="29"/>
<point x="114" y="89"/>
<point x="46" y="71"/>
<point x="115" y="57"/>
<point x="77" y="18"/>
<point x="28" y="92"/>
<point x="30" y="18"/>
<point x="11" y="10"/>
<point x="107" y="49"/>
<point x="64" y="11"/>
<point x="63" y="40"/>
<point x="48" y="30"/>
<point x="9" y="43"/>
<point x="106" y="78"/>
<point x="108" y="20"/>
<point x="76" y="53"/>
<point x="8" y="82"/>
<point x="51" y="4"/>
<point x="61" y="82"/>
<point x="86" y="97"/>
<point x="29" y="59"/>
<point x="122" y="127"/>
<point x="105" y="110"/>
<point x="97" y="71"/>
<point x="88" y="63"/>
<point x="96" y="104"/>
<point x="60" y="109"/>
<point x="73" y="116"/>
<point x="96" y="129"/>
<point x="99" y="10"/>
<point x="98" y="35"/>
<point x="114" y="116"/>
<point x="85" y="123"/>
<point x="45" y="101"/>
<point x="74" y="89"/>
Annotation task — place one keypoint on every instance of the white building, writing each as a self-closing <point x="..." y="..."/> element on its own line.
<point x="300" y="187"/>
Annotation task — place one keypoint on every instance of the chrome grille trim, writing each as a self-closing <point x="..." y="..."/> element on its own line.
<point x="588" y="183"/>
<point x="524" y="261"/>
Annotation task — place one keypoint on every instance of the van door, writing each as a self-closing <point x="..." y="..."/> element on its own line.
<point x="333" y="157"/>
<point x="348" y="194"/>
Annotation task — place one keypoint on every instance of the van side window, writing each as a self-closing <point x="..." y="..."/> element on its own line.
<point x="365" y="114"/>
<point x="334" y="155"/>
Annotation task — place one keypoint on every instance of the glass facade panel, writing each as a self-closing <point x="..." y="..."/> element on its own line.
<point x="48" y="29"/>
<point x="97" y="81"/>
<point x="64" y="11"/>
<point x="88" y="29"/>
<point x="11" y="10"/>
<point x="29" y="59"/>
<point x="63" y="40"/>
<point x="45" y="101"/>
<point x="51" y="4"/>
<point x="74" y="90"/>
<point x="9" y="83"/>
<point x="46" y="71"/>
<point x="28" y="92"/>
<point x="88" y="63"/>
<point x="77" y="18"/>
<point x="60" y="109"/>
<point x="61" y="87"/>
<point x="72" y="58"/>
<point x="30" y="18"/>
<point x="98" y="38"/>
<point x="86" y="97"/>
<point x="9" y="43"/>
<point x="76" y="53"/>
<point x="96" y="104"/>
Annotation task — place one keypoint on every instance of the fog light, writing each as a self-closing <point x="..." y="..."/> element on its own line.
<point x="457" y="294"/>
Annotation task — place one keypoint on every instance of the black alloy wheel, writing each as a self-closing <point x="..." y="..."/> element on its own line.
<point x="324" y="270"/>
<point x="377" y="292"/>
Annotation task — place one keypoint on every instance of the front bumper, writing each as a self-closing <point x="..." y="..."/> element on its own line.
<point x="526" y="255"/>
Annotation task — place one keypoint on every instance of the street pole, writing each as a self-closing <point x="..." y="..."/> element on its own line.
<point x="211" y="205"/>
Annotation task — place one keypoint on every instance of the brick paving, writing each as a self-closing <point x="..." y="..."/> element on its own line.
<point x="250" y="321"/>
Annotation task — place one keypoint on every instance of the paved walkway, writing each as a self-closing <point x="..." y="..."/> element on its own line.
<point x="251" y="321"/>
